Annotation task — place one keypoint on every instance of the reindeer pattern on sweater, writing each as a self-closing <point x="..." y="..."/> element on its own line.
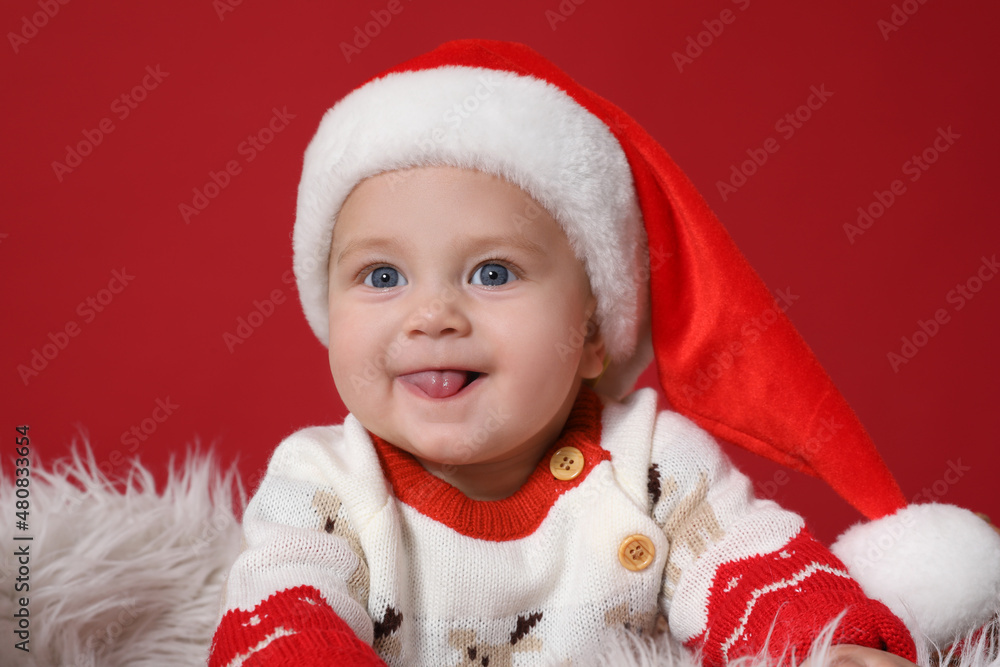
<point x="657" y="532"/>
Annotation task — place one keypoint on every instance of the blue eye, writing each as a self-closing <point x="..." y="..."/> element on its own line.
<point x="384" y="277"/>
<point x="492" y="275"/>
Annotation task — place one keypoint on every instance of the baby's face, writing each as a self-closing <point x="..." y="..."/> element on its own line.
<point x="454" y="309"/>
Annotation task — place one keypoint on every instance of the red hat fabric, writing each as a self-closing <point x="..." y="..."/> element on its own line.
<point x="765" y="392"/>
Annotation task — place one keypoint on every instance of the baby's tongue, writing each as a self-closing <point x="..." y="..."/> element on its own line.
<point x="437" y="384"/>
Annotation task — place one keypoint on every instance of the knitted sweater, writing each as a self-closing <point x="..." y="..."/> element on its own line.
<point x="354" y="554"/>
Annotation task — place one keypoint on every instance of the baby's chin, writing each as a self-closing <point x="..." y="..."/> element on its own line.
<point x="455" y="449"/>
<point x="442" y="452"/>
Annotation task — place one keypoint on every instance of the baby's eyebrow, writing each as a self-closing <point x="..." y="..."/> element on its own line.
<point x="519" y="241"/>
<point x="464" y="245"/>
<point x="369" y="243"/>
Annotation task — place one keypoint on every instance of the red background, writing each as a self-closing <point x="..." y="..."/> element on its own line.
<point x="162" y="336"/>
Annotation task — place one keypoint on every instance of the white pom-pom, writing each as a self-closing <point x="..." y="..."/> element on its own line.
<point x="935" y="566"/>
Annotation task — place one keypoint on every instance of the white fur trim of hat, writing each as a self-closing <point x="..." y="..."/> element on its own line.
<point x="519" y="128"/>
<point x="935" y="566"/>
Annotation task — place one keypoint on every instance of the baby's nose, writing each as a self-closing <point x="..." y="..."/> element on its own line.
<point x="439" y="313"/>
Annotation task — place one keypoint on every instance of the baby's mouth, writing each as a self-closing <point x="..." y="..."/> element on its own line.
<point x="440" y="383"/>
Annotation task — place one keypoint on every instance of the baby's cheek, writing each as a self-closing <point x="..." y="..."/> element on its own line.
<point x="343" y="361"/>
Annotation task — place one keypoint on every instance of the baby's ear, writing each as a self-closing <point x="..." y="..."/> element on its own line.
<point x="594" y="359"/>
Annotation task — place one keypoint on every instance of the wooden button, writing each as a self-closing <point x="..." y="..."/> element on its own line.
<point x="636" y="552"/>
<point x="566" y="463"/>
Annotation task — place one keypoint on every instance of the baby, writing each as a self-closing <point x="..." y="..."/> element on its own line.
<point x="479" y="252"/>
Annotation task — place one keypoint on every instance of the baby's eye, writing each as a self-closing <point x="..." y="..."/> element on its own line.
<point x="384" y="276"/>
<point x="492" y="275"/>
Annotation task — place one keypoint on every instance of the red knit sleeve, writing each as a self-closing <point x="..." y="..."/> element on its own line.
<point x="783" y="599"/>
<point x="294" y="627"/>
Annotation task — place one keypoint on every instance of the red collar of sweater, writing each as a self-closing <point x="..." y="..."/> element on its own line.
<point x="513" y="517"/>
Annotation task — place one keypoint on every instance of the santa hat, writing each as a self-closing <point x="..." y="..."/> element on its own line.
<point x="667" y="277"/>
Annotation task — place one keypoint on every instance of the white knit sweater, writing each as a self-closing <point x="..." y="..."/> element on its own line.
<point x="658" y="530"/>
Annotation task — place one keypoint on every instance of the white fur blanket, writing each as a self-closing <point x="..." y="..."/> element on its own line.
<point x="119" y="573"/>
